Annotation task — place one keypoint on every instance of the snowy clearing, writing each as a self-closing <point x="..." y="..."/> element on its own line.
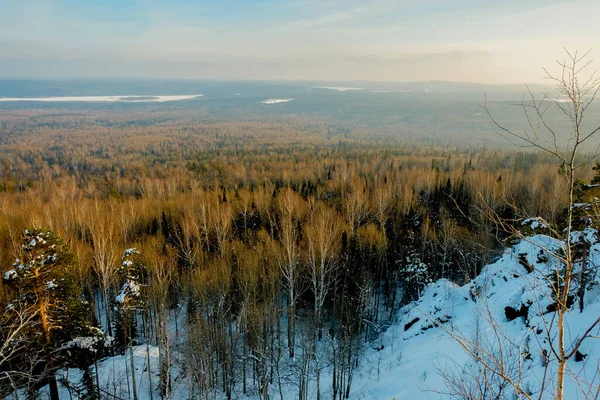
<point x="276" y="101"/>
<point x="338" y="88"/>
<point x="106" y="99"/>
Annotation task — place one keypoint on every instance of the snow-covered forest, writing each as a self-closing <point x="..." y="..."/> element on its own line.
<point x="289" y="259"/>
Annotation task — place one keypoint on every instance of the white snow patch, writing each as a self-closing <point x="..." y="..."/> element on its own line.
<point x="276" y="101"/>
<point x="106" y="99"/>
<point x="131" y="251"/>
<point x="10" y="275"/>
<point x="86" y="342"/>
<point x="420" y="344"/>
<point x="130" y="288"/>
<point x="535" y="223"/>
<point x="338" y="88"/>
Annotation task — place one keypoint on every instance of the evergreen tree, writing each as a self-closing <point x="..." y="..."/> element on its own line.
<point x="58" y="331"/>
<point x="129" y="300"/>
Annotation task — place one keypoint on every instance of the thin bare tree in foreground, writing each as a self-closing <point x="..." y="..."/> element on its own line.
<point x="576" y="93"/>
<point x="580" y="92"/>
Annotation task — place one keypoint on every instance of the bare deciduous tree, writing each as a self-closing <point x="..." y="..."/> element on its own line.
<point x="104" y="237"/>
<point x="577" y="92"/>
<point x="289" y="260"/>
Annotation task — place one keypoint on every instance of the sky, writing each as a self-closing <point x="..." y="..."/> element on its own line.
<point x="486" y="41"/>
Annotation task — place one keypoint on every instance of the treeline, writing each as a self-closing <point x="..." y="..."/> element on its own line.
<point x="112" y="145"/>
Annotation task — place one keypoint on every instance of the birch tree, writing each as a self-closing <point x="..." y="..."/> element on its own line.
<point x="577" y="90"/>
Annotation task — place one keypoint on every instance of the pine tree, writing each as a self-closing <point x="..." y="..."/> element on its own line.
<point x="129" y="298"/>
<point x="58" y="330"/>
<point x="129" y="301"/>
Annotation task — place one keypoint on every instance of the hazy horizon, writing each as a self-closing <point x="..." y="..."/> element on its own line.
<point x="296" y="40"/>
<point x="257" y="80"/>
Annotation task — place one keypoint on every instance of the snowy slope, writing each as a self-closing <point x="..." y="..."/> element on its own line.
<point x="416" y="350"/>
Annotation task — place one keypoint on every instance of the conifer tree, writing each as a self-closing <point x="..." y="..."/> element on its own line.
<point x="129" y="301"/>
<point x="129" y="298"/>
<point x="58" y="329"/>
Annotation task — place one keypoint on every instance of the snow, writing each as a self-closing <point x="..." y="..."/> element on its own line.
<point x="276" y="101"/>
<point x="427" y="347"/>
<point x="120" y="298"/>
<point x="87" y="342"/>
<point x="535" y="223"/>
<point x="114" y="376"/>
<point x="407" y="360"/>
<point x="586" y="206"/>
<point x="130" y="288"/>
<point x="131" y="251"/>
<point x="588" y="235"/>
<point x="106" y="99"/>
<point x="338" y="88"/>
<point x="10" y="275"/>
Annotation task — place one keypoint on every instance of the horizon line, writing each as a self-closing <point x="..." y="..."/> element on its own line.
<point x="82" y="78"/>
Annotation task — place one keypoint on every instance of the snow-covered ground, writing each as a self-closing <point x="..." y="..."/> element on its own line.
<point x="417" y="352"/>
<point x="106" y="99"/>
<point x="338" y="88"/>
<point x="421" y="346"/>
<point x="276" y="101"/>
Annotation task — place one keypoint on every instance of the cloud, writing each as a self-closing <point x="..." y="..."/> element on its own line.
<point x="327" y="18"/>
<point x="454" y="65"/>
<point x="301" y="39"/>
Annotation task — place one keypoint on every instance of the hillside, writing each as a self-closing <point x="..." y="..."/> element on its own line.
<point x="501" y="316"/>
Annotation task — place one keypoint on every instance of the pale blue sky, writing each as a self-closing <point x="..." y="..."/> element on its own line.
<point x="506" y="41"/>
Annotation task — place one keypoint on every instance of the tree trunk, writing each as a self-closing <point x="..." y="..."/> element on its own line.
<point x="560" y="375"/>
<point x="147" y="330"/>
<point x="53" y="387"/>
<point x="291" y="328"/>
<point x="133" y="383"/>
<point x="107" y="310"/>
<point x="582" y="277"/>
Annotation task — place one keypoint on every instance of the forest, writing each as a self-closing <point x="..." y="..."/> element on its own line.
<point x="248" y="255"/>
